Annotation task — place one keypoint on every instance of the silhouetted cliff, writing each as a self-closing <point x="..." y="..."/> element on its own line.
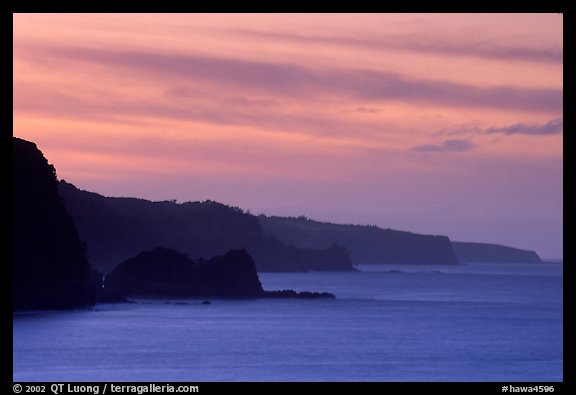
<point x="492" y="253"/>
<point x="284" y="257"/>
<point x="167" y="273"/>
<point x="50" y="269"/>
<point x="367" y="244"/>
<point x="115" y="229"/>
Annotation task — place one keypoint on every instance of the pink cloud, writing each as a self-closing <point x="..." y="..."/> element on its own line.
<point x="291" y="80"/>
<point x="423" y="45"/>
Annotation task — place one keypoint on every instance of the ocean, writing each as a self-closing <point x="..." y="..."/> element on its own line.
<point x="481" y="322"/>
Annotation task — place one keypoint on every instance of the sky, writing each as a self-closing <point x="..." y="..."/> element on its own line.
<point x="446" y="124"/>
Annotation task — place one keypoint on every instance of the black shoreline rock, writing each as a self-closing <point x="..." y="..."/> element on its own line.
<point x="289" y="293"/>
<point x="166" y="273"/>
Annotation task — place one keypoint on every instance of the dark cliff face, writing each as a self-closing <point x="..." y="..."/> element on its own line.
<point x="163" y="272"/>
<point x="367" y="244"/>
<point x="115" y="229"/>
<point x="50" y="269"/>
<point x="284" y="257"/>
<point x="492" y="253"/>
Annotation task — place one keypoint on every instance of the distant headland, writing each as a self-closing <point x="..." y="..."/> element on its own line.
<point x="65" y="241"/>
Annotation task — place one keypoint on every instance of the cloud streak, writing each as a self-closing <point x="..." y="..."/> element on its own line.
<point x="216" y="109"/>
<point x="550" y="128"/>
<point x="290" y="80"/>
<point x="408" y="43"/>
<point x="555" y="126"/>
<point x="446" y="146"/>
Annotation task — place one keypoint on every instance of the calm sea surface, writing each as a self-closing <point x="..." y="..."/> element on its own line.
<point x="388" y="323"/>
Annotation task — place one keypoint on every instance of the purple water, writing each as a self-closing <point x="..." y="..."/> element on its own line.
<point x="466" y="323"/>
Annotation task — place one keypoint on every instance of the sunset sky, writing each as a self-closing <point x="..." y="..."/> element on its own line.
<point x="434" y="123"/>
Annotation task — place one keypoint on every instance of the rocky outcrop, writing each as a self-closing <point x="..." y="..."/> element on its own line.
<point x="289" y="293"/>
<point x="50" y="269"/>
<point x="166" y="273"/>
